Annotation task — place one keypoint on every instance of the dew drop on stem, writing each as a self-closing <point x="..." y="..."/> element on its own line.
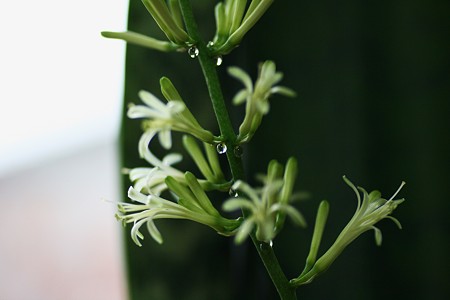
<point x="238" y="151"/>
<point x="221" y="148"/>
<point x="193" y="52"/>
<point x="265" y="246"/>
<point x="219" y="60"/>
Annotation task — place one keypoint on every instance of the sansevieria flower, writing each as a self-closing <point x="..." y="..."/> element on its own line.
<point x="370" y="210"/>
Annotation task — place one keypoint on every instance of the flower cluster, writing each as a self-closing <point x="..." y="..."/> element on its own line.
<point x="233" y="22"/>
<point x="161" y="118"/>
<point x="257" y="96"/>
<point x="370" y="210"/>
<point x="169" y="19"/>
<point x="149" y="183"/>
<point x="161" y="191"/>
<point x="268" y="206"/>
<point x="192" y="204"/>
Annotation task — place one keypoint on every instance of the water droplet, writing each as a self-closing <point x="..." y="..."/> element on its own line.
<point x="238" y="151"/>
<point x="233" y="193"/>
<point x="210" y="44"/>
<point x="265" y="246"/>
<point x="193" y="52"/>
<point x="219" y="60"/>
<point x="221" y="148"/>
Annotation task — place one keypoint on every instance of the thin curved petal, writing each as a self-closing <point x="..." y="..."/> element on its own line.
<point x="175" y="107"/>
<point x="151" y="100"/>
<point x="154" y="232"/>
<point x="172" y="158"/>
<point x="165" y="138"/>
<point x="240" y="97"/>
<point x="238" y="73"/>
<point x="137" y="196"/>
<point x="140" y="111"/>
<point x="136" y="234"/>
<point x="144" y="141"/>
<point x="237" y="203"/>
<point x="244" y="230"/>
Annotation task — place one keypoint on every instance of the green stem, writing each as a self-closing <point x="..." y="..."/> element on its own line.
<point x="208" y="65"/>
<point x="285" y="290"/>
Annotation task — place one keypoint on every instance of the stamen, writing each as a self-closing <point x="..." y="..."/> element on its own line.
<point x="398" y="190"/>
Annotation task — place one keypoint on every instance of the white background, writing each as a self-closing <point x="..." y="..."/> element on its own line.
<point x="60" y="96"/>
<point x="60" y="81"/>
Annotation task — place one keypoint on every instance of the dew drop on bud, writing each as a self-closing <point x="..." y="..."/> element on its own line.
<point x="238" y="151"/>
<point x="193" y="52"/>
<point x="233" y="193"/>
<point x="221" y="148"/>
<point x="265" y="246"/>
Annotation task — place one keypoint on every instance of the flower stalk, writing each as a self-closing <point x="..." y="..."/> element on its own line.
<point x="264" y="209"/>
<point x="208" y="65"/>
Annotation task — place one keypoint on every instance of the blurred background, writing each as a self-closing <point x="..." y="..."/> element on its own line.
<point x="60" y="92"/>
<point x="373" y="86"/>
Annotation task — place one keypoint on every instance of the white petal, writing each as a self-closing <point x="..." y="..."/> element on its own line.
<point x="165" y="138"/>
<point x="138" y="173"/>
<point x="137" y="196"/>
<point x="282" y="90"/>
<point x="240" y="97"/>
<point x="172" y="158"/>
<point x="144" y="141"/>
<point x="149" y="99"/>
<point x="242" y="76"/>
<point x="247" y="190"/>
<point x="237" y="203"/>
<point x="136" y="234"/>
<point x="244" y="230"/>
<point x="154" y="232"/>
<point x="175" y="107"/>
<point x="140" y="111"/>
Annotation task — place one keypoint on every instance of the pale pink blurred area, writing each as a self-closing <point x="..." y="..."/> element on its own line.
<point x="58" y="235"/>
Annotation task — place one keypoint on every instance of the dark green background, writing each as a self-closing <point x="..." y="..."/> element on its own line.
<point x="373" y="102"/>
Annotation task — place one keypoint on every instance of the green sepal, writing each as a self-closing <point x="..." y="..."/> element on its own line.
<point x="161" y="14"/>
<point x="200" y="195"/>
<point x="175" y="10"/>
<point x="171" y="94"/>
<point x="319" y="227"/>
<point x="191" y="146"/>
<point x="213" y="159"/>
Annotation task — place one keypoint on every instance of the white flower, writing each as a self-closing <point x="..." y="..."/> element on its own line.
<point x="151" y="180"/>
<point x="161" y="116"/>
<point x="266" y="206"/>
<point x="257" y="97"/>
<point x="193" y="204"/>
<point x="370" y="210"/>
